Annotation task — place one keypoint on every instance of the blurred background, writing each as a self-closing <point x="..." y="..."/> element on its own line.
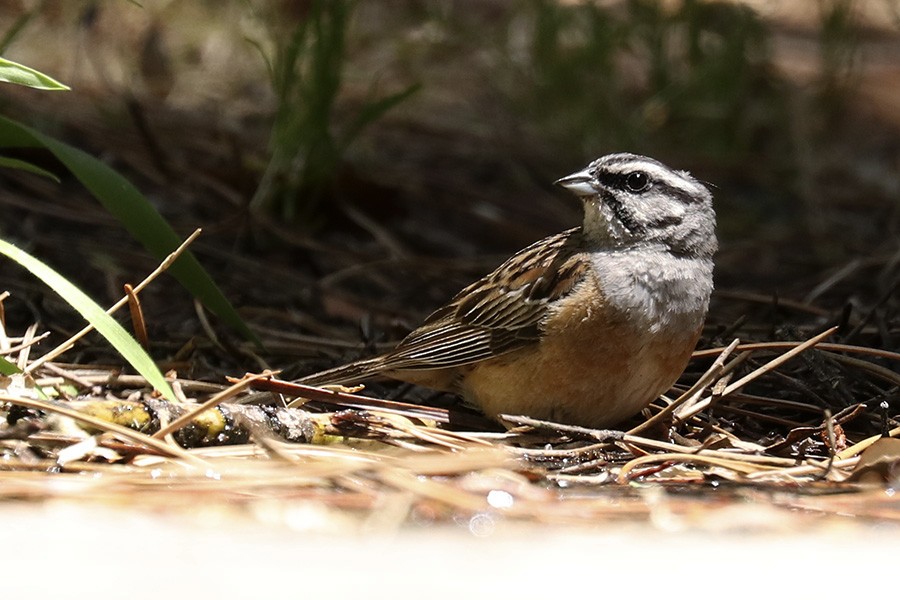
<point x="353" y="164"/>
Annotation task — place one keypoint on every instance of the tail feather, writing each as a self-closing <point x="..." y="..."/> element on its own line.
<point x="348" y="374"/>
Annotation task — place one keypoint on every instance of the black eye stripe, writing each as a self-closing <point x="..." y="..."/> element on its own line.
<point x="613" y="180"/>
<point x="666" y="220"/>
<point x="632" y="181"/>
<point x="617" y="181"/>
<point x="623" y="214"/>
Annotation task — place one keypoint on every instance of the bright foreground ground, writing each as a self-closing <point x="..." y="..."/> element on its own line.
<point x="102" y="551"/>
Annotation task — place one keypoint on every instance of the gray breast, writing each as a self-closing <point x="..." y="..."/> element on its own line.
<point x="657" y="290"/>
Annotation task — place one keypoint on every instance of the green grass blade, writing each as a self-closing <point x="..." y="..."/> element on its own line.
<point x="7" y="368"/>
<point x="373" y="111"/>
<point x="134" y="211"/>
<point x="21" y="165"/>
<point x="120" y="339"/>
<point x="12" y="72"/>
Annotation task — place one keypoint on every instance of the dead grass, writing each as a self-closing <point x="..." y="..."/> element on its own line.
<point x="105" y="436"/>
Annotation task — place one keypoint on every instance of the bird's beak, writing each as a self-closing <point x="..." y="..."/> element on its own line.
<point x="578" y="183"/>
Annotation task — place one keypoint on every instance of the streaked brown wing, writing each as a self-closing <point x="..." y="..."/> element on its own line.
<point x="499" y="313"/>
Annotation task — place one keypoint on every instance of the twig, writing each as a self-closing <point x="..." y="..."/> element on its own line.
<point x="669" y="447"/>
<point x="26" y="342"/>
<point x="67" y="376"/>
<point x="862" y="445"/>
<point x="137" y="316"/>
<point x="696" y="389"/>
<point x="772" y="364"/>
<point x="767" y="299"/>
<point x="735" y="464"/>
<point x="21" y="346"/>
<point x="206" y="325"/>
<point x="808" y="469"/>
<point x="864" y="365"/>
<point x="877" y="352"/>
<point x="64" y="347"/>
<point x="348" y="400"/>
<point x="602" y="435"/>
<point x="219" y="398"/>
<point x="835" y="278"/>
<point x="829" y="429"/>
<point x="870" y="314"/>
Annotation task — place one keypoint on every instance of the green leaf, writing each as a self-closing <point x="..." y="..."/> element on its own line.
<point x="12" y="72"/>
<point x="373" y="111"/>
<point x="7" y="368"/>
<point x="15" y="163"/>
<point x="134" y="211"/>
<point x="120" y="339"/>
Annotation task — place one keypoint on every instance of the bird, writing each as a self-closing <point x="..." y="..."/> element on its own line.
<point x="586" y="327"/>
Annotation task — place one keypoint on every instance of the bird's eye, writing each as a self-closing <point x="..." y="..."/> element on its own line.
<point x="637" y="181"/>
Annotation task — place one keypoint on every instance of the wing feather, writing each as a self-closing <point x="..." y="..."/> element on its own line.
<point x="497" y="314"/>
